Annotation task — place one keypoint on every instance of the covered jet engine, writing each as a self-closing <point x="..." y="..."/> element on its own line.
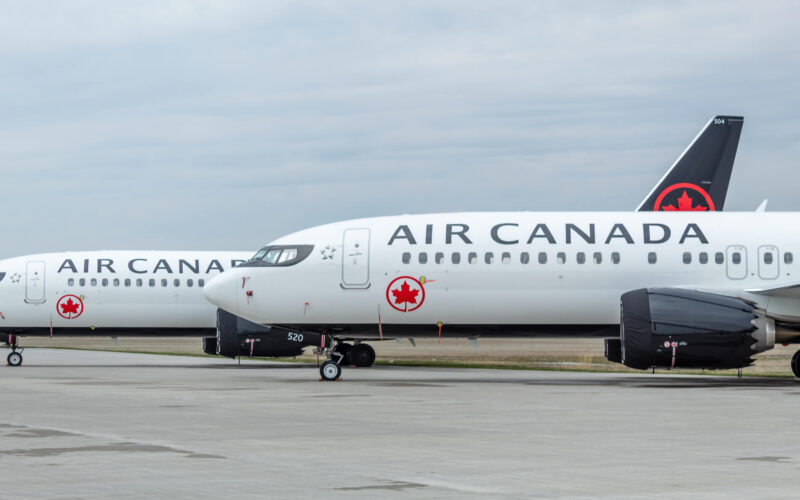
<point x="674" y="328"/>
<point x="238" y="337"/>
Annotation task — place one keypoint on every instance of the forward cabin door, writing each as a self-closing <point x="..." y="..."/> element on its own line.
<point x="34" y="282"/>
<point x="736" y="260"/>
<point x="355" y="258"/>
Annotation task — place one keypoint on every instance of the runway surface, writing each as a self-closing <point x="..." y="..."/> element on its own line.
<point x="77" y="424"/>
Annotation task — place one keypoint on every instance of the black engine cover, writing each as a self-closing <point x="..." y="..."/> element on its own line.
<point x="238" y="337"/>
<point x="674" y="328"/>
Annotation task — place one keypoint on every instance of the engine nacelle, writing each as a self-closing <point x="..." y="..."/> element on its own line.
<point x="238" y="337"/>
<point x="674" y="328"/>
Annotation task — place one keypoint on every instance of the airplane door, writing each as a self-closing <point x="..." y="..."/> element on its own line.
<point x="34" y="282"/>
<point x="768" y="262"/>
<point x="736" y="257"/>
<point x="355" y="258"/>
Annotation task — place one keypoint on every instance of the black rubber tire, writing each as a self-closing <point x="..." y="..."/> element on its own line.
<point x="330" y="371"/>
<point x="344" y="350"/>
<point x="796" y="364"/>
<point x="362" y="355"/>
<point x="14" y="359"/>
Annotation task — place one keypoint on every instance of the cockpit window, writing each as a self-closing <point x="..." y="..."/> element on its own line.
<point x="271" y="256"/>
<point x="279" y="255"/>
<point x="2" y="275"/>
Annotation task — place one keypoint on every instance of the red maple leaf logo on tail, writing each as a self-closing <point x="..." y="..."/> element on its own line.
<point x="405" y="295"/>
<point x="69" y="307"/>
<point x="685" y="204"/>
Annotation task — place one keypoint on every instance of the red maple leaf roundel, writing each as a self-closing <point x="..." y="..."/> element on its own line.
<point x="406" y="297"/>
<point x="69" y="306"/>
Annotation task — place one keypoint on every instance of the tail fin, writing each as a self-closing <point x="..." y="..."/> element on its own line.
<point x="698" y="180"/>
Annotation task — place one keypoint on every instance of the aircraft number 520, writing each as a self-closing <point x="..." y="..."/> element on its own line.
<point x="295" y="337"/>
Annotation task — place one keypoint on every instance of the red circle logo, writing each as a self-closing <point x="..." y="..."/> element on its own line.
<point x="69" y="306"/>
<point x="685" y="202"/>
<point x="405" y="294"/>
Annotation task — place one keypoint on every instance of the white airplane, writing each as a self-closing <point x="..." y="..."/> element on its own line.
<point x="685" y="290"/>
<point x="114" y="293"/>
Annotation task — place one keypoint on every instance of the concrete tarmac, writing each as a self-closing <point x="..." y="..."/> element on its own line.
<point x="81" y="424"/>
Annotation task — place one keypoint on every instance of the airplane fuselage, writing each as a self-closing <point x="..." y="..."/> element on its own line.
<point x="111" y="292"/>
<point x="508" y="272"/>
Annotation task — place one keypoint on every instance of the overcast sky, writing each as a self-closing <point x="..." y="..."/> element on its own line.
<point x="223" y="125"/>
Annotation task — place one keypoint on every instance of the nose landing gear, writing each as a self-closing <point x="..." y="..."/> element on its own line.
<point x="15" y="357"/>
<point x="796" y="364"/>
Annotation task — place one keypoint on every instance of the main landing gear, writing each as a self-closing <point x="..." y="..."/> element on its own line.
<point x="360" y="355"/>
<point x="15" y="357"/>
<point x="796" y="364"/>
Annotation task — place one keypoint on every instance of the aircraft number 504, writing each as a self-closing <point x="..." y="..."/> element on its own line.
<point x="295" y="337"/>
<point x="719" y="121"/>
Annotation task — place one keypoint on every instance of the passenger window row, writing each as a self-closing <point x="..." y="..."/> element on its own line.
<point x="505" y="258"/>
<point x="719" y="258"/>
<point x="139" y="282"/>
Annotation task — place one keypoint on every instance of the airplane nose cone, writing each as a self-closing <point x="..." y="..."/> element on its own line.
<point x="222" y="292"/>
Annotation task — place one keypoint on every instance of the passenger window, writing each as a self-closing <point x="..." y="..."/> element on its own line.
<point x="190" y="282"/>
<point x="151" y="282"/>
<point x="455" y="258"/>
<point x="651" y="257"/>
<point x="505" y="258"/>
<point x="105" y="281"/>
<point x="406" y="257"/>
<point x="488" y="258"/>
<point x="719" y="257"/>
<point x="736" y="258"/>
<point x="472" y="258"/>
<point x="423" y="257"/>
<point x="580" y="258"/>
<point x="561" y="257"/>
<point x="687" y="257"/>
<point x="139" y="282"/>
<point x="127" y="282"/>
<point x="177" y="282"/>
<point x="439" y="257"/>
<point x="116" y="281"/>
<point x="788" y="258"/>
<point x="82" y="282"/>
<point x="71" y="281"/>
<point x="201" y="283"/>
<point x="524" y="258"/>
<point x="703" y="258"/>
<point x="542" y="258"/>
<point x="597" y="258"/>
<point x="615" y="257"/>
<point x="93" y="282"/>
<point x="768" y="258"/>
<point x="163" y="282"/>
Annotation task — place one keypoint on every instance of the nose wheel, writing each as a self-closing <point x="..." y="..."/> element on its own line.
<point x="796" y="364"/>
<point x="14" y="359"/>
<point x="330" y="370"/>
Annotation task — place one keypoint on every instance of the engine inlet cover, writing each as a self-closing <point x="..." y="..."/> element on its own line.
<point x="672" y="328"/>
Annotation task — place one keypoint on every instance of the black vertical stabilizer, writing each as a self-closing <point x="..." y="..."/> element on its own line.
<point x="698" y="180"/>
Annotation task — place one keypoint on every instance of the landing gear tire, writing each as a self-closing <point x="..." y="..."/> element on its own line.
<point x="362" y="355"/>
<point x="796" y="364"/>
<point x="344" y="350"/>
<point x="330" y="371"/>
<point x="14" y="359"/>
